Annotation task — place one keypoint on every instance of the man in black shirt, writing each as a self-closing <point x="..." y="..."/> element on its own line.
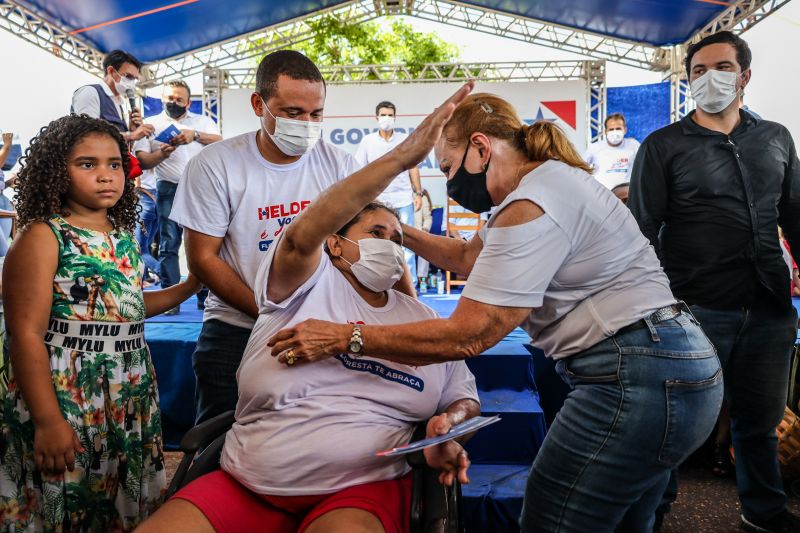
<point x="709" y="193"/>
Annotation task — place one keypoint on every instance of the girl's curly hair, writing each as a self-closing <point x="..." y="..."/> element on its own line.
<point x="43" y="181"/>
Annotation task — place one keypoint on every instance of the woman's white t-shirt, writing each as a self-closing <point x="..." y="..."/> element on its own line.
<point x="584" y="265"/>
<point x="314" y="428"/>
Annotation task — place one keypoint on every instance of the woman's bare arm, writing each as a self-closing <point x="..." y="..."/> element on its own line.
<point x="455" y="255"/>
<point x="28" y="274"/>
<point x="156" y="302"/>
<point x="299" y="250"/>
<point x="473" y="327"/>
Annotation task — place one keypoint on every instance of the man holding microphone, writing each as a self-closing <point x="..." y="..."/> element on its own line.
<point x="106" y="100"/>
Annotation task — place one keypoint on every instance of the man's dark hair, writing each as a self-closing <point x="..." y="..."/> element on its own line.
<point x="743" y="54"/>
<point x="116" y="58"/>
<point x="179" y="83"/>
<point x="287" y="62"/>
<point x="387" y="105"/>
<point x="615" y="116"/>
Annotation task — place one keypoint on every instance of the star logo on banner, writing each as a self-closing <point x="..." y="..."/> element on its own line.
<point x="539" y="117"/>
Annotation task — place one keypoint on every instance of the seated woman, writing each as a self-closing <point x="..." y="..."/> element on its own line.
<point x="301" y="455"/>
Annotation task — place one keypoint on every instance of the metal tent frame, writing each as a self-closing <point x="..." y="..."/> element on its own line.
<point x="738" y="17"/>
<point x="593" y="72"/>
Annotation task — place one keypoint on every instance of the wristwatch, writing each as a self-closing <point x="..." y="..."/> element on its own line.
<point x="355" y="346"/>
<point x="196" y="137"/>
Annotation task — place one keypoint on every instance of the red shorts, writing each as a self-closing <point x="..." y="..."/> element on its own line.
<point x="230" y="506"/>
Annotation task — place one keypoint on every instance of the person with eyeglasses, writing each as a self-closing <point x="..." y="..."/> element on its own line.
<point x="107" y="100"/>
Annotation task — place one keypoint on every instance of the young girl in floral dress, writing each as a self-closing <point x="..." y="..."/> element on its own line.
<point x="80" y="428"/>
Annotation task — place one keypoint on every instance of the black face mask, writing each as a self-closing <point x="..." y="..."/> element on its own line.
<point x="174" y="110"/>
<point x="469" y="189"/>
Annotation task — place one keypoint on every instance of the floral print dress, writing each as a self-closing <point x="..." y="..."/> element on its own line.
<point x="110" y="400"/>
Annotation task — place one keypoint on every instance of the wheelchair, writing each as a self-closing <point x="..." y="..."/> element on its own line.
<point x="434" y="507"/>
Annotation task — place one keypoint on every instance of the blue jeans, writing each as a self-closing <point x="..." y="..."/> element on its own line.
<point x="407" y="217"/>
<point x="754" y="347"/>
<point x="215" y="360"/>
<point x="641" y="402"/>
<point x="5" y="223"/>
<point x="170" y="234"/>
<point x="144" y="237"/>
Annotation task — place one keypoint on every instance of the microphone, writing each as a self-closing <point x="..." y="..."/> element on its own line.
<point x="131" y="97"/>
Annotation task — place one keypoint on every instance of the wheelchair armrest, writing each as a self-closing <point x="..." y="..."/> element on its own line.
<point x="204" y="433"/>
<point x="417" y="459"/>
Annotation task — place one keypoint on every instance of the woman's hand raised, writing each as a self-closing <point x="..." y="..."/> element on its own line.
<point x="419" y="144"/>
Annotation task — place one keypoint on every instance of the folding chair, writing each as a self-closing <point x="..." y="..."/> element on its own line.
<point x="458" y="221"/>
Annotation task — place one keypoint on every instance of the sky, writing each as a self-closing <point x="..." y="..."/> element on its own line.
<point x="38" y="86"/>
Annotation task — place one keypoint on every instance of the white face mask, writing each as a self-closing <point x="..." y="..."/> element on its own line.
<point x="714" y="90"/>
<point x="294" y="137"/>
<point x="614" y="137"/>
<point x="385" y="123"/>
<point x="380" y="265"/>
<point x="124" y="84"/>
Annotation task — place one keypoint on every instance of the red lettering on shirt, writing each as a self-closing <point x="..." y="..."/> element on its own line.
<point x="282" y="210"/>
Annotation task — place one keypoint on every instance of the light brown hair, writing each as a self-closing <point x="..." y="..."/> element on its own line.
<point x="494" y="117"/>
<point x="615" y="116"/>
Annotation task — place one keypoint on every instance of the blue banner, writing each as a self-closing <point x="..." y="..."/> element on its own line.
<point x="646" y="107"/>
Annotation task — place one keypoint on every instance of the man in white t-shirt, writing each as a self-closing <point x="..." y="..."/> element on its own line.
<point x="405" y="192"/>
<point x="237" y="197"/>
<point x="612" y="158"/>
<point x="168" y="161"/>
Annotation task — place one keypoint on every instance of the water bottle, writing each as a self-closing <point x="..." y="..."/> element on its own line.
<point x="432" y="282"/>
<point x="439" y="283"/>
<point x="423" y="285"/>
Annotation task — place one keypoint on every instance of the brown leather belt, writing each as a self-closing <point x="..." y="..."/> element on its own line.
<point x="659" y="315"/>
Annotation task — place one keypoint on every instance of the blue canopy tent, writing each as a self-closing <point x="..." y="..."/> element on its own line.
<point x="185" y="37"/>
<point x="153" y="30"/>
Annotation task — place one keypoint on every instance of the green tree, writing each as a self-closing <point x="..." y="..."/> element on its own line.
<point x="338" y="43"/>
